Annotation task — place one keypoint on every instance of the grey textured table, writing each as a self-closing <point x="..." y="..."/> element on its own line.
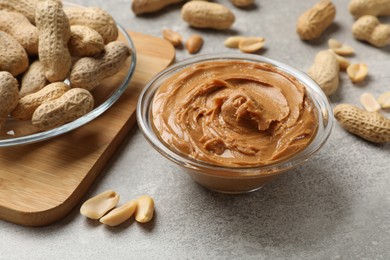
<point x="336" y="206"/>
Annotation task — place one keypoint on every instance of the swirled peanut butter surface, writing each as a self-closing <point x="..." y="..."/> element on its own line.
<point x="234" y="113"/>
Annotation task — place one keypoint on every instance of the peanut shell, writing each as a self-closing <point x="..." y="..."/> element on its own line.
<point x="150" y="6"/>
<point x="95" y="18"/>
<point x="325" y="71"/>
<point x="33" y="79"/>
<point x="88" y="72"/>
<point x="54" y="33"/>
<point x="29" y="103"/>
<point x="201" y="14"/>
<point x="70" y="106"/>
<point x="19" y="27"/>
<point x="370" y="126"/>
<point x="84" y="41"/>
<point x="312" y="23"/>
<point x="13" y="57"/>
<point x="9" y="95"/>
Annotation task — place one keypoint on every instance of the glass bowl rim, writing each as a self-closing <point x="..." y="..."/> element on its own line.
<point x="97" y="111"/>
<point x="315" y="93"/>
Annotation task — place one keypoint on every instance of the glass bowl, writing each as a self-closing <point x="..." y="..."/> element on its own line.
<point x="17" y="132"/>
<point x="234" y="179"/>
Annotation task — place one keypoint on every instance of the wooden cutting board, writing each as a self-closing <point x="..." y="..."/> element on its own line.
<point x="40" y="183"/>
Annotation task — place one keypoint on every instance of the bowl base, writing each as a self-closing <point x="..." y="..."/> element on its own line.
<point x="230" y="192"/>
<point x="230" y="184"/>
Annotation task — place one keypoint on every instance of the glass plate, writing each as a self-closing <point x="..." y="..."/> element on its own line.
<point x="17" y="132"/>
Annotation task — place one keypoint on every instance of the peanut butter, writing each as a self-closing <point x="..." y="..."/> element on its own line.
<point x="234" y="113"/>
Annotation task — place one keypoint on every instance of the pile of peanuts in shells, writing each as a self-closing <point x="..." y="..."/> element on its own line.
<point x="43" y="45"/>
<point x="367" y="123"/>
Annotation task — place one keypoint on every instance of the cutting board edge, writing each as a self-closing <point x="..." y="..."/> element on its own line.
<point x="57" y="212"/>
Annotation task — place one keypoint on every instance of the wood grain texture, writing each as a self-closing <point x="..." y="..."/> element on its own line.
<point x="40" y="183"/>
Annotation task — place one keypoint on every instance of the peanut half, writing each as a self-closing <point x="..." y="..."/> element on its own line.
<point x="9" y="95"/>
<point x="384" y="100"/>
<point x="88" y="72"/>
<point x="233" y="41"/>
<point x="343" y="62"/>
<point x="173" y="37"/>
<point x="312" y="23"/>
<point x="120" y="214"/>
<point x="70" y="106"/>
<point x="339" y="48"/>
<point x="29" y="103"/>
<point x="369" y="102"/>
<point x="251" y="44"/>
<point x="370" y="126"/>
<point x="96" y="207"/>
<point x="325" y="71"/>
<point x="145" y="209"/>
<point x="357" y="72"/>
<point x="201" y="14"/>
<point x="368" y="28"/>
<point x="54" y="32"/>
<point x="194" y="43"/>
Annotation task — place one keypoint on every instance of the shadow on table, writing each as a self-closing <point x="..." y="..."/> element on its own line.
<point x="301" y="208"/>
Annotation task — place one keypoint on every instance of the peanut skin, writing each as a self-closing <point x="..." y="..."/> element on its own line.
<point x="173" y="37"/>
<point x="120" y="214"/>
<point x="370" y="126"/>
<point x="13" y="57"/>
<point x="201" y="14"/>
<point x="94" y="18"/>
<point x="145" y="209"/>
<point x="312" y="23"/>
<point x="27" y="104"/>
<point x="325" y="71"/>
<point x="368" y="28"/>
<point x="194" y="43"/>
<point x="9" y="95"/>
<point x="18" y="26"/>
<point x="359" y="8"/>
<point x="150" y="6"/>
<point x="54" y="33"/>
<point x="97" y="206"/>
<point x="84" y="41"/>
<point x="70" y="106"/>
<point x="88" y="72"/>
